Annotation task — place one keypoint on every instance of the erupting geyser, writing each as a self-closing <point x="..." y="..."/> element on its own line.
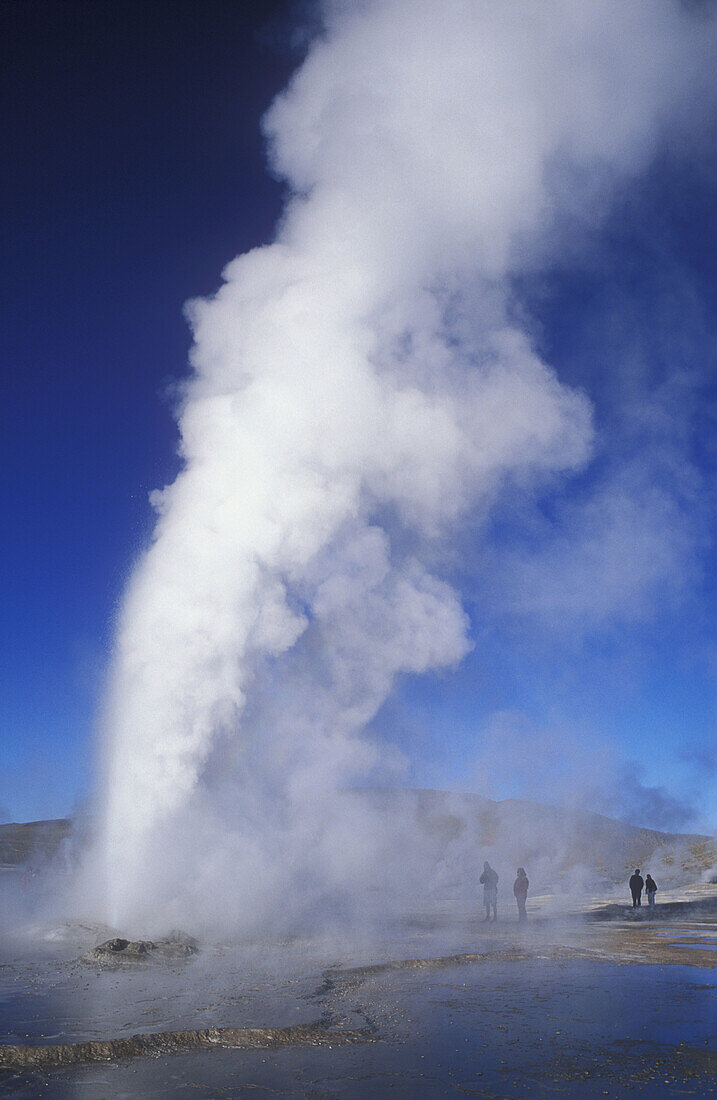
<point x="360" y="390"/>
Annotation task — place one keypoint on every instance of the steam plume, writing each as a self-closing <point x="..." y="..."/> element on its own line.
<point x="359" y="393"/>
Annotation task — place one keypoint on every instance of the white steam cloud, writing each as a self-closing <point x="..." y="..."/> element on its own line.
<point x="359" y="392"/>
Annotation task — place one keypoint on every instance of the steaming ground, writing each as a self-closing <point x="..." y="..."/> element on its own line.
<point x="430" y="844"/>
<point x="407" y="994"/>
<point x="423" y="1002"/>
<point x="424" y="1007"/>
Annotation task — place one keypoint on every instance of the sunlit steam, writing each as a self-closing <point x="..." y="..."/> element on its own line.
<point x="361" y="391"/>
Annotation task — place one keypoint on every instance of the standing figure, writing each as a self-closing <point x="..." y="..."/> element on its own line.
<point x="520" y="889"/>
<point x="650" y="890"/>
<point x="636" y="885"/>
<point x="489" y="878"/>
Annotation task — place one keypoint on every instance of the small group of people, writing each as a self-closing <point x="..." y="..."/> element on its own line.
<point x="636" y="885"/>
<point x="489" y="879"/>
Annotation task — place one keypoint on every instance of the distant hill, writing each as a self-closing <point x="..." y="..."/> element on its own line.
<point x="454" y="833"/>
<point x="33" y="841"/>
<point x="556" y="842"/>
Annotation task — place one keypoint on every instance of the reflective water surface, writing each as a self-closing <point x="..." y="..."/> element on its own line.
<point x="541" y="1012"/>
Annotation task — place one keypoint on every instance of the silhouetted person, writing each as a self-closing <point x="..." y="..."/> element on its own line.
<point x="520" y="889"/>
<point x="636" y="885"/>
<point x="489" y="878"/>
<point x="650" y="890"/>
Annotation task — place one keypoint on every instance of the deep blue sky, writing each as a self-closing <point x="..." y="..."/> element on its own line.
<point x="134" y="170"/>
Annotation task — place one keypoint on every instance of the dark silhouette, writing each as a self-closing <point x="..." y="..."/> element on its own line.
<point x="520" y="889"/>
<point x="636" y="884"/>
<point x="650" y="890"/>
<point x="489" y="878"/>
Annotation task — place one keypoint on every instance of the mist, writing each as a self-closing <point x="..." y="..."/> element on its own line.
<point x="362" y="395"/>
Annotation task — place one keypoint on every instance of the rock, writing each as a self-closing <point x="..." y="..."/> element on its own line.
<point x="176" y="947"/>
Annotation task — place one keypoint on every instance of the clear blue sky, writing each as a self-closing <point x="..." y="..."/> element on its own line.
<point x="134" y="170"/>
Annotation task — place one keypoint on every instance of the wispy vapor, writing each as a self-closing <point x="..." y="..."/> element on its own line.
<point x="359" y="394"/>
<point x="574" y="768"/>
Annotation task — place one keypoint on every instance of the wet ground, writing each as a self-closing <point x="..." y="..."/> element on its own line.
<point x="437" y="1007"/>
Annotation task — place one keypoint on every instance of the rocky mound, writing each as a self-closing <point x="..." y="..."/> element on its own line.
<point x="120" y="952"/>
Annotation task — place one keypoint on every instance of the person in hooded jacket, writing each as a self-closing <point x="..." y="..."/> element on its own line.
<point x="650" y="890"/>
<point x="636" y="884"/>
<point x="489" y="878"/>
<point x="520" y="889"/>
